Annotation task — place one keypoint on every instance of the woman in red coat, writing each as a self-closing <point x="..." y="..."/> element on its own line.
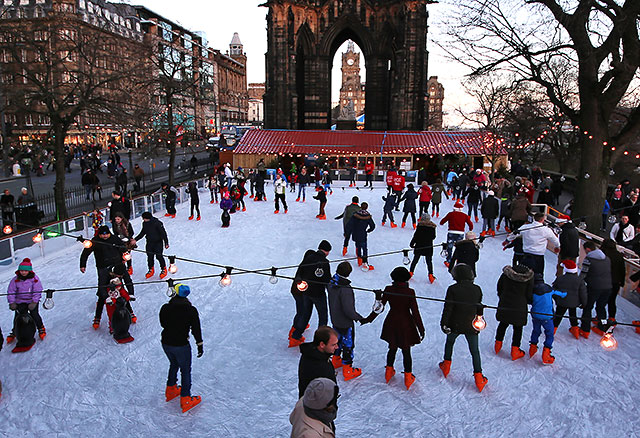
<point x="403" y="326"/>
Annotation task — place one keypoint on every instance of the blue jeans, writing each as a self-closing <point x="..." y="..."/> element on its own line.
<point x="301" y="188"/>
<point x="346" y="343"/>
<point x="308" y="301"/>
<point x="488" y="224"/>
<point x="179" y="358"/>
<point x="538" y="325"/>
<point x="452" y="238"/>
<point x="299" y="309"/>
<point x="362" y="251"/>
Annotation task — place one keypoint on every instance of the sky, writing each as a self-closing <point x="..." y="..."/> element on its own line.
<point x="219" y="19"/>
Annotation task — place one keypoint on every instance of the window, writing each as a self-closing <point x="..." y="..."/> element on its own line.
<point x="24" y="2"/>
<point x="28" y="119"/>
<point x="90" y="7"/>
<point x="8" y="2"/>
<point x="107" y="14"/>
<point x="128" y="24"/>
<point x="167" y="34"/>
<point x="188" y="44"/>
<point x="137" y="27"/>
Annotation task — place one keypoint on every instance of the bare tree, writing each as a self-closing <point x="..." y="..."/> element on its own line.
<point x="60" y="71"/>
<point x="596" y="40"/>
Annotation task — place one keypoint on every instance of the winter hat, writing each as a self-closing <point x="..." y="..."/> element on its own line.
<point x="400" y="275"/>
<point x="458" y="205"/>
<point x="147" y="215"/>
<point x="319" y="393"/>
<point x="425" y="218"/>
<point x="25" y="265"/>
<point x="325" y="246"/>
<point x="570" y="267"/>
<point x="490" y="193"/>
<point x="344" y="269"/>
<point x="182" y="290"/>
<point x="104" y="230"/>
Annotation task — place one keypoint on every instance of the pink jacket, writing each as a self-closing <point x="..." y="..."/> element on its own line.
<point x="24" y="291"/>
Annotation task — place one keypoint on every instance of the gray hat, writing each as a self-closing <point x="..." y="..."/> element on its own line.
<point x="319" y="393"/>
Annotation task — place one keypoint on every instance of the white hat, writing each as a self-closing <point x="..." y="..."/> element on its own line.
<point x="490" y="193"/>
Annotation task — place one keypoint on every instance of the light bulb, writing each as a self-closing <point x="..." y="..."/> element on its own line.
<point x="479" y="323"/>
<point x="612" y="219"/>
<point x="173" y="268"/>
<point x="562" y="178"/>
<point x="7" y="229"/>
<point x="87" y="244"/>
<point x="582" y="225"/>
<point x="405" y="258"/>
<point x="612" y="172"/>
<point x="225" y="280"/>
<point x="171" y="292"/>
<point x="302" y="285"/>
<point x="109" y="204"/>
<point x="273" y="279"/>
<point x="587" y="176"/>
<point x="37" y="238"/>
<point x="378" y="307"/>
<point x="48" y="304"/>
<point x="608" y="342"/>
<point x="126" y="256"/>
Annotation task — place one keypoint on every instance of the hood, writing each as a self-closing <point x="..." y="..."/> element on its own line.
<point x="309" y="350"/>
<point x="596" y="255"/>
<point x="426" y="224"/>
<point x="520" y="273"/>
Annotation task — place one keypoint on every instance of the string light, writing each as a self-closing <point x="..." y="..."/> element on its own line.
<point x="378" y="305"/>
<point x="172" y="264"/>
<point x="608" y="342"/>
<point x="479" y="323"/>
<point x="37" y="238"/>
<point x="48" y="302"/>
<point x="7" y="229"/>
<point x="274" y="278"/>
<point x="171" y="291"/>
<point x="225" y="277"/>
<point x="302" y="285"/>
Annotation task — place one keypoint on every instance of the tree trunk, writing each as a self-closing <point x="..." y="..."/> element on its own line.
<point x="591" y="191"/>
<point x="60" y="132"/>
<point x="171" y="144"/>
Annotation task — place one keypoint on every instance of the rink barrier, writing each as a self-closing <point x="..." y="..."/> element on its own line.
<point x="79" y="224"/>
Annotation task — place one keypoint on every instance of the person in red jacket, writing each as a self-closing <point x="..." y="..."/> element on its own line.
<point x="398" y="187"/>
<point x="457" y="221"/>
<point x="425" y="198"/>
<point x="391" y="173"/>
<point x="368" y="170"/>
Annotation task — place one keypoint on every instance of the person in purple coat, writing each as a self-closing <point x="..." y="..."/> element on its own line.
<point x="226" y="204"/>
<point x="25" y="290"/>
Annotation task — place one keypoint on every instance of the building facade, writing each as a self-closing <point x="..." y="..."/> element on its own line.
<point x="434" y="97"/>
<point x="256" y="105"/>
<point x="232" y="83"/>
<point x="352" y="88"/>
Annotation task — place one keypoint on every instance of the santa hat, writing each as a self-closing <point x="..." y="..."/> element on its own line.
<point x="25" y="265"/>
<point x="570" y="267"/>
<point x="458" y="205"/>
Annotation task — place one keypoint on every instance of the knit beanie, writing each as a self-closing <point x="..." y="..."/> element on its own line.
<point x="400" y="275"/>
<point x="103" y="229"/>
<point x="325" y="246"/>
<point x="319" y="393"/>
<point x="344" y="269"/>
<point x="25" y="265"/>
<point x="425" y="218"/>
<point x="182" y="290"/>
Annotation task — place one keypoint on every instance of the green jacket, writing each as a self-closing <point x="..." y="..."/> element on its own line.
<point x="349" y="210"/>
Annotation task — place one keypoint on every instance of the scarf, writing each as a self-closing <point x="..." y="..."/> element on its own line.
<point x="620" y="233"/>
<point x="322" y="415"/>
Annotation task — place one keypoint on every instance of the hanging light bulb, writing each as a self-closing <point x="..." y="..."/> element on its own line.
<point x="87" y="243"/>
<point x="479" y="323"/>
<point x="443" y="251"/>
<point x="302" y="285"/>
<point x="562" y="178"/>
<point x="7" y="229"/>
<point x="126" y="256"/>
<point x="172" y="264"/>
<point x="612" y="219"/>
<point x="273" y="279"/>
<point x="48" y="301"/>
<point x="612" y="172"/>
<point x="405" y="258"/>
<point x="582" y="225"/>
<point x="378" y="305"/>
<point x="225" y="277"/>
<point x="587" y="176"/>
<point x="171" y="291"/>
<point x="608" y="342"/>
<point x="37" y="238"/>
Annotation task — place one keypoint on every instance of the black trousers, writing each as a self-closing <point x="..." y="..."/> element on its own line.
<point x="560" y="311"/>
<point x="171" y="205"/>
<point x="406" y="358"/>
<point x="155" y="249"/>
<point x="517" y="333"/>
<point x="195" y="203"/>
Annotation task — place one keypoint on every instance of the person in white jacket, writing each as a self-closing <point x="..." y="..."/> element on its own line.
<point x="535" y="237"/>
<point x="280" y="186"/>
<point x="228" y="174"/>
<point x="622" y="231"/>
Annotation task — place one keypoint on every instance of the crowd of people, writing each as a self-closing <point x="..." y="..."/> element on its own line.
<point x="509" y="199"/>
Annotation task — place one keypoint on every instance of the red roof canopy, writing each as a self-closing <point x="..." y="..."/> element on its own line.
<point x="273" y="141"/>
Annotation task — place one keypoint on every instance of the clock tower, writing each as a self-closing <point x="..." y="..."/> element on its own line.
<point x="352" y="88"/>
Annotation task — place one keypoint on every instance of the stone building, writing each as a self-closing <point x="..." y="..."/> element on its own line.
<point x="232" y="83"/>
<point x="352" y="88"/>
<point x="256" y="106"/>
<point x="435" y="96"/>
<point x="302" y="39"/>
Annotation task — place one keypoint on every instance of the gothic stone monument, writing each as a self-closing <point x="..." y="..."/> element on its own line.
<point x="303" y="37"/>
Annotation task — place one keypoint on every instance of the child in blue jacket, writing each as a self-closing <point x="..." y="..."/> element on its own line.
<point x="542" y="317"/>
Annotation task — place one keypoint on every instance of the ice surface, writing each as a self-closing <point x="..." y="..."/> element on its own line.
<point x="79" y="382"/>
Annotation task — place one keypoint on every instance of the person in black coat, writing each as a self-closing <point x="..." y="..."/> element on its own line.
<point x="107" y="250"/>
<point x="618" y="274"/>
<point x="121" y="182"/>
<point x="546" y="197"/>
<point x="315" y="359"/>
<point x="359" y="226"/>
<point x="119" y="204"/>
<point x="515" y="292"/>
<point x="490" y="210"/>
<point x="457" y="319"/>
<point x="156" y="236"/>
<point x="466" y="251"/>
<point x="314" y="270"/>
<point x="569" y="243"/>
<point x="177" y="318"/>
<point x="472" y="193"/>
<point x="192" y="190"/>
<point x="422" y="244"/>
<point x="409" y="208"/>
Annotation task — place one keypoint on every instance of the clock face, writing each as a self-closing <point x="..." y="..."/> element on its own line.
<point x="350" y="61"/>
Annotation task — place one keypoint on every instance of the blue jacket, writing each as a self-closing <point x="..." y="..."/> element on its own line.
<point x="359" y="225"/>
<point x="389" y="202"/>
<point x="542" y="308"/>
